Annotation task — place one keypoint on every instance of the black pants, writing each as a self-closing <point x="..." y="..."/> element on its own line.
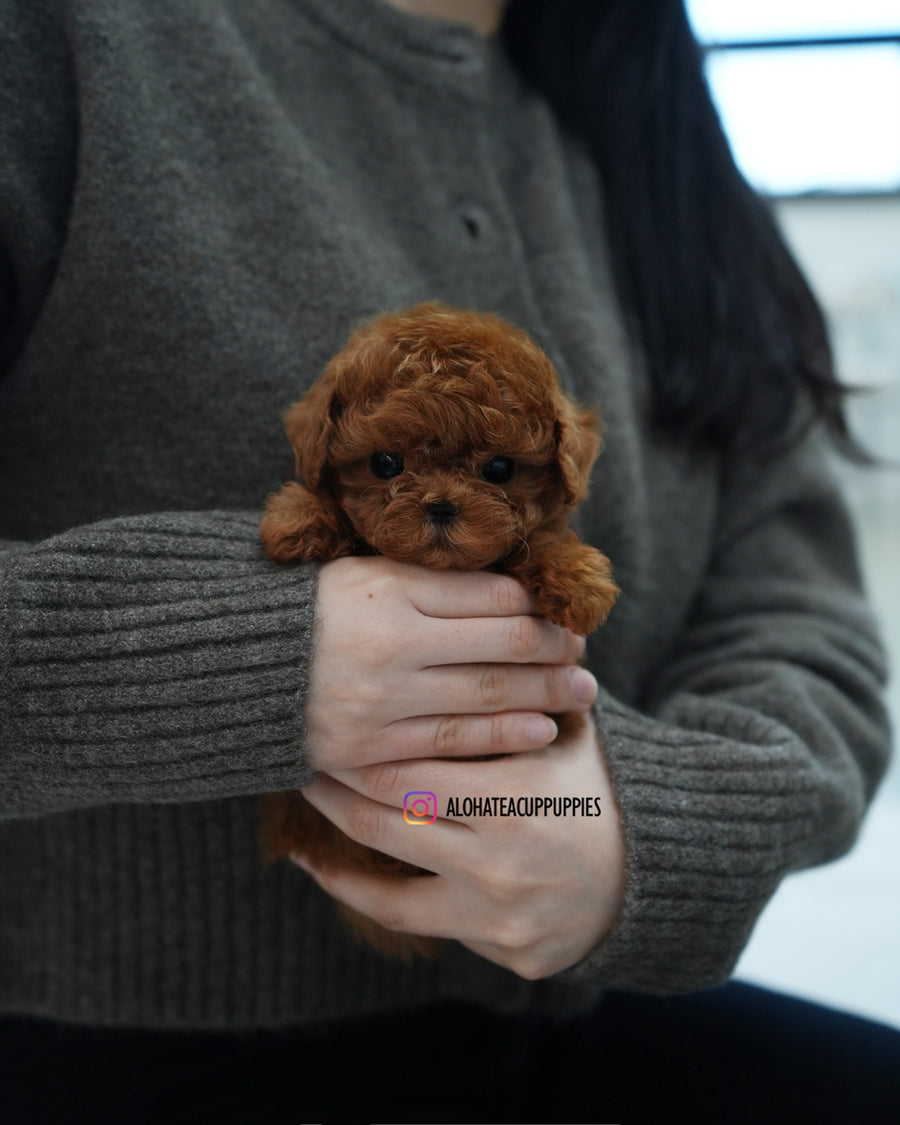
<point x="735" y="1054"/>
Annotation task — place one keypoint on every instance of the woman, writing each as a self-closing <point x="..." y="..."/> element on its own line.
<point x="199" y="202"/>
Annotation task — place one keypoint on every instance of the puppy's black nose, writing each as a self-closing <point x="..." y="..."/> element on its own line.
<point x="442" y="512"/>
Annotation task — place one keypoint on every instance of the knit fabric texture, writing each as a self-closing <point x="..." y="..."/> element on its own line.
<point x="198" y="202"/>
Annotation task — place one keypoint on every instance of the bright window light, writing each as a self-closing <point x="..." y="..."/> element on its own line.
<point x="721" y="21"/>
<point x="806" y="118"/>
<point x="812" y="119"/>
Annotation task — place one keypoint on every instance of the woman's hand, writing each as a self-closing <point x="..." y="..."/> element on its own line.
<point x="532" y="893"/>
<point x="415" y="663"/>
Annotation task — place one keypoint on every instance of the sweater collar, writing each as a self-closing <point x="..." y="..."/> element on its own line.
<point x="396" y="36"/>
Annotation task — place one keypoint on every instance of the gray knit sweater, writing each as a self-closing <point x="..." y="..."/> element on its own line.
<point x="198" y="199"/>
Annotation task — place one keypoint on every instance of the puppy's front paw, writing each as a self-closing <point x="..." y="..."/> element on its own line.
<point x="589" y="606"/>
<point x="298" y="526"/>
<point x="580" y="593"/>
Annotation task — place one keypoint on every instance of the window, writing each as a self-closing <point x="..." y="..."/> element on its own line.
<point x="808" y="90"/>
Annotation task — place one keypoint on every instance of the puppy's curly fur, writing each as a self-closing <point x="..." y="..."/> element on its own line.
<point x="438" y="437"/>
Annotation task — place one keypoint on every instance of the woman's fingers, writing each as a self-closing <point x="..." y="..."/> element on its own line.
<point x="493" y="688"/>
<point x="410" y="662"/>
<point x="497" y="640"/>
<point x="453" y="594"/>
<point x="461" y="711"/>
<point x="419" y="618"/>
<point x="446" y="696"/>
<point x="437" y="846"/>
<point x="446" y="736"/>
<point x="468" y="736"/>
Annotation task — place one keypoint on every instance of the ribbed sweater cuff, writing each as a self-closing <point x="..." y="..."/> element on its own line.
<point x="711" y="825"/>
<point x="152" y="658"/>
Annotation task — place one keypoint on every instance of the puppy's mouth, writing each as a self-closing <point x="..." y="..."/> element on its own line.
<point x="445" y="534"/>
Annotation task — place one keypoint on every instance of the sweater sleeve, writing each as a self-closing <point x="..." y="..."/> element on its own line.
<point x="150" y="659"/>
<point x="762" y="742"/>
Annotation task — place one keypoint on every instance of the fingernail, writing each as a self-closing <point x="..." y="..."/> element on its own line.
<point x="541" y="729"/>
<point x="584" y="685"/>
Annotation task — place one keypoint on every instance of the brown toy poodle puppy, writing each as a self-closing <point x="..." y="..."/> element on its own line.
<point x="437" y="437"/>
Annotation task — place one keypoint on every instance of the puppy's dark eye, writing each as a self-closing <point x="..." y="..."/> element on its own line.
<point x="385" y="466"/>
<point x="499" y="470"/>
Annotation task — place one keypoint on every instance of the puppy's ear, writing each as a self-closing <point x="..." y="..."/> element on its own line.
<point x="310" y="425"/>
<point x="578" y="443"/>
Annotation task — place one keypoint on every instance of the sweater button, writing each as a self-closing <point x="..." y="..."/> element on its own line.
<point x="474" y="219"/>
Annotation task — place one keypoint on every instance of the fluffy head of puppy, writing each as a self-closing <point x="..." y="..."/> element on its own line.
<point x="441" y="438"/>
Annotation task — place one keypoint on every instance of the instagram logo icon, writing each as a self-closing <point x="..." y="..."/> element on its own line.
<point x="419" y="807"/>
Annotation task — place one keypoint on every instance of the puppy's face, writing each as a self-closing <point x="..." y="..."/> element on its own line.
<point x="444" y="438"/>
<point x="418" y="489"/>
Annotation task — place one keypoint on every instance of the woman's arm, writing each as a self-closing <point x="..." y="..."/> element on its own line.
<point x="163" y="658"/>
<point x="762" y="741"/>
<point x="151" y="658"/>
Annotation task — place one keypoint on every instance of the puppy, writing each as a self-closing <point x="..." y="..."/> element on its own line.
<point x="441" y="438"/>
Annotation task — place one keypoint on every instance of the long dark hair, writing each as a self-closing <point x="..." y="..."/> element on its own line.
<point x="731" y="333"/>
